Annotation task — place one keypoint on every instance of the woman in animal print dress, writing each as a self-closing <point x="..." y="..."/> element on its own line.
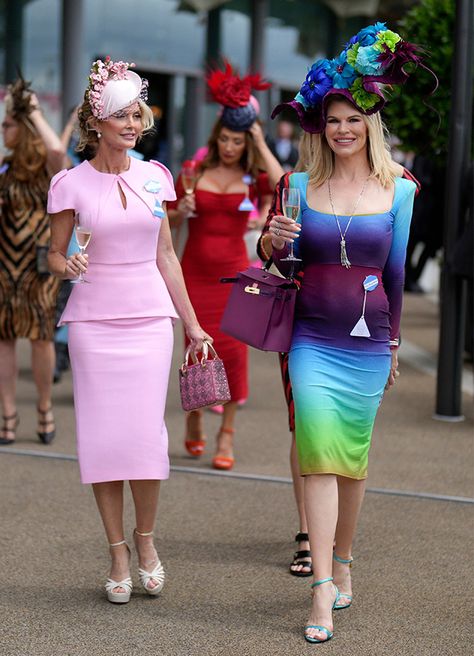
<point x="27" y="291"/>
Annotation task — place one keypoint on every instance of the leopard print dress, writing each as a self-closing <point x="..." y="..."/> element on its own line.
<point x="27" y="298"/>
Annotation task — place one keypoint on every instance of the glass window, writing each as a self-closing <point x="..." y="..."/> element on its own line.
<point x="151" y="32"/>
<point x="41" y="45"/>
<point x="235" y="39"/>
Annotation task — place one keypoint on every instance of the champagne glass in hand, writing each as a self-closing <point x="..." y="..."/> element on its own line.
<point x="189" y="179"/>
<point x="291" y="209"/>
<point x="83" y="236"/>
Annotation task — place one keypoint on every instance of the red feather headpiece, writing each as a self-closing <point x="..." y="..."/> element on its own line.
<point x="230" y="90"/>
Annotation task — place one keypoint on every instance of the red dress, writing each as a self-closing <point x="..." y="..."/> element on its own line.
<point x="216" y="249"/>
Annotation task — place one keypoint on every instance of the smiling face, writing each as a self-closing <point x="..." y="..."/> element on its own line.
<point x="346" y="129"/>
<point x="10" y="131"/>
<point x="122" y="129"/>
<point x="230" y="146"/>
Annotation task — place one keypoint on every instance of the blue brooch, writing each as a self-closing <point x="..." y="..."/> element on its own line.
<point x="154" y="187"/>
<point x="361" y="329"/>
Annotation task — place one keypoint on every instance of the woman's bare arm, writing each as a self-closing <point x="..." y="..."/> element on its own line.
<point x="271" y="165"/>
<point x="55" y="151"/>
<point x="170" y="269"/>
<point x="66" y="268"/>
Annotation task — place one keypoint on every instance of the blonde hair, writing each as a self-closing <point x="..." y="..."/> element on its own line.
<point x="305" y="153"/>
<point x="317" y="158"/>
<point x="88" y="135"/>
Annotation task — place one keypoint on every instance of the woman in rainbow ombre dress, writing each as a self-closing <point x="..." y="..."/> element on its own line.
<point x="351" y="237"/>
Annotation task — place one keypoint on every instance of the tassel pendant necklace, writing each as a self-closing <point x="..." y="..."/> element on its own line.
<point x="345" y="262"/>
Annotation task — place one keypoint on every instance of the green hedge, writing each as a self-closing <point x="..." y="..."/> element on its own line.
<point x="430" y="25"/>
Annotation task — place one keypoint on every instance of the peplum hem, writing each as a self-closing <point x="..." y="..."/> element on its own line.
<point x="125" y="291"/>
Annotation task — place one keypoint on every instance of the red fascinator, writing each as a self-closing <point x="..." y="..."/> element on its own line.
<point x="234" y="93"/>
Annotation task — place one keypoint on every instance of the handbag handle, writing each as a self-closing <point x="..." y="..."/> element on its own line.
<point x="206" y="347"/>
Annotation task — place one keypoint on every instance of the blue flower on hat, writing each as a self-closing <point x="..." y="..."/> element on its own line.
<point x="341" y="72"/>
<point x="351" y="42"/>
<point x="368" y="35"/>
<point x="317" y="83"/>
<point x="366" y="62"/>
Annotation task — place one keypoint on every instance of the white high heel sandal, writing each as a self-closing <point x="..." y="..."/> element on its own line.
<point x="157" y="575"/>
<point x="126" y="584"/>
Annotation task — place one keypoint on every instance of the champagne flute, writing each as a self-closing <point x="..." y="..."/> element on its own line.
<point x="189" y="179"/>
<point x="291" y="209"/>
<point x="83" y="235"/>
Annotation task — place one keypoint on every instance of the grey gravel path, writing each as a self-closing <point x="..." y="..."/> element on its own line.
<point x="226" y="542"/>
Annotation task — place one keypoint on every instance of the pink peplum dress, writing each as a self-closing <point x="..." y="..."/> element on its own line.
<point x="120" y="324"/>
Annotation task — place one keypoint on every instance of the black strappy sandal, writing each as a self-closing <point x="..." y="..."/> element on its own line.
<point x="4" y="430"/>
<point x="46" y="436"/>
<point x="301" y="557"/>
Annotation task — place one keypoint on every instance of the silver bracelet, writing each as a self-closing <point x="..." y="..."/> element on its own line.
<point x="394" y="342"/>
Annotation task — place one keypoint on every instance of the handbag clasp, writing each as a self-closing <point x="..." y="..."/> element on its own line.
<point x="253" y="289"/>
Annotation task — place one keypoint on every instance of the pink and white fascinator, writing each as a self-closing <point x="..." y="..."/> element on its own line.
<point x="113" y="86"/>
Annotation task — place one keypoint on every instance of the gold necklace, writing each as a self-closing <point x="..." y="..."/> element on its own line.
<point x="344" y="258"/>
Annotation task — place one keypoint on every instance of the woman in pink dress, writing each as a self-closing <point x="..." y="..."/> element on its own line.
<point x="120" y="320"/>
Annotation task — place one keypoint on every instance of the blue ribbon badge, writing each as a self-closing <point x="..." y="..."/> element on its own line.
<point x="154" y="187"/>
<point x="246" y="205"/>
<point x="361" y="329"/>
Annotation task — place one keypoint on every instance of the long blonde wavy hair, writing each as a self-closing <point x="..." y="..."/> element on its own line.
<point x="317" y="158"/>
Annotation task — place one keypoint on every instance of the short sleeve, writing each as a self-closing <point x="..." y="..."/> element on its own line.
<point x="173" y="204"/>
<point x="168" y="192"/>
<point x="263" y="185"/>
<point x="60" y="194"/>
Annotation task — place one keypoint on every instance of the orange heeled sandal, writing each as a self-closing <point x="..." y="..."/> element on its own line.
<point x="224" y="463"/>
<point x="195" y="448"/>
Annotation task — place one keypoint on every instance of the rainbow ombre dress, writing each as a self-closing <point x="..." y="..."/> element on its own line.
<point x="338" y="379"/>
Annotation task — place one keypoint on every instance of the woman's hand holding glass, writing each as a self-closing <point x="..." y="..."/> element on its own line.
<point x="76" y="264"/>
<point x="283" y="231"/>
<point x="187" y="206"/>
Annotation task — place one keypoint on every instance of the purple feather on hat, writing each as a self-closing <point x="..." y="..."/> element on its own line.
<point x="375" y="57"/>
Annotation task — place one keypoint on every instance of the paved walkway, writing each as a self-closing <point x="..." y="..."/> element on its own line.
<point x="226" y="540"/>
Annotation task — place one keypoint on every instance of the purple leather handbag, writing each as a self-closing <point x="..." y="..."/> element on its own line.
<point x="260" y="310"/>
<point x="203" y="383"/>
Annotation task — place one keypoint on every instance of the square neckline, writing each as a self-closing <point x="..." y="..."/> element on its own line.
<point x="346" y="216"/>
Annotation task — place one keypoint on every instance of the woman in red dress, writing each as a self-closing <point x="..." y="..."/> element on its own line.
<point x="229" y="180"/>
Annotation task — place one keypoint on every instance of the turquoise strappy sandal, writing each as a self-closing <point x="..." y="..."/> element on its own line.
<point x="344" y="561"/>
<point x="318" y="627"/>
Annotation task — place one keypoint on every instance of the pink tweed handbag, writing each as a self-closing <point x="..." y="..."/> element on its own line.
<point x="203" y="383"/>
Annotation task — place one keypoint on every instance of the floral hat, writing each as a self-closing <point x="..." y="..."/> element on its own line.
<point x="374" y="57"/>
<point x="235" y="94"/>
<point x="112" y="86"/>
